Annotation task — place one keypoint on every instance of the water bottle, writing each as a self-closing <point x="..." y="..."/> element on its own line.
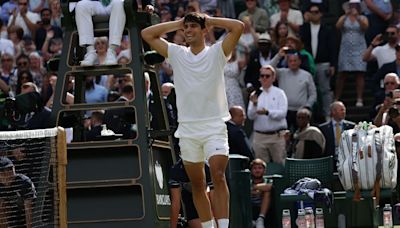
<point x="286" y="220"/>
<point x="301" y="218"/>
<point x="309" y="217"/>
<point x="387" y="216"/>
<point x="319" y="218"/>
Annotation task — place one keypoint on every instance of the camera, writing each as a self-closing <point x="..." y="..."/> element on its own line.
<point x="393" y="112"/>
<point x="15" y="109"/>
<point x="389" y="94"/>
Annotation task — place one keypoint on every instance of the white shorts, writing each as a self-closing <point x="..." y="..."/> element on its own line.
<point x="203" y="146"/>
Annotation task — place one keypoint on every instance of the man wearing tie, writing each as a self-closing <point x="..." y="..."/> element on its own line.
<point x="332" y="130"/>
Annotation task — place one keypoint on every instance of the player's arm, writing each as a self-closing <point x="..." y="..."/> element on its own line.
<point x="152" y="35"/>
<point x="175" y="206"/>
<point x="234" y="28"/>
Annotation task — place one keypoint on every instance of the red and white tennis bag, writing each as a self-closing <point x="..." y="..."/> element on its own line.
<point x="367" y="154"/>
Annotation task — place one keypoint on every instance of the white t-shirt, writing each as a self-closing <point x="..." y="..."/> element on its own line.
<point x="199" y="83"/>
<point x="7" y="46"/>
<point x="384" y="54"/>
<point x="294" y="16"/>
<point x="33" y="17"/>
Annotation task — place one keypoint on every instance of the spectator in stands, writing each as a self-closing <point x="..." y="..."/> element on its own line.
<point x="52" y="47"/>
<point x="96" y="122"/>
<point x="7" y="71"/>
<point x="384" y="70"/>
<point x="333" y="129"/>
<point x="6" y="45"/>
<point x="257" y="15"/>
<point x="181" y="190"/>
<point x="56" y="12"/>
<point x="281" y="32"/>
<point x="319" y="40"/>
<point x="260" y="192"/>
<point x="45" y="26"/>
<point x="292" y="44"/>
<point x="387" y="113"/>
<point x="268" y="107"/>
<point x="84" y="12"/>
<point x="7" y="10"/>
<point x="297" y="84"/>
<point x="308" y="141"/>
<point x="232" y="71"/>
<point x="39" y="115"/>
<point x="15" y="34"/>
<point x="227" y="8"/>
<point x="17" y="193"/>
<point x="36" y="68"/>
<point x="378" y="13"/>
<point x="28" y="46"/>
<point x="94" y="93"/>
<point x="390" y="82"/>
<point x="385" y="53"/>
<point x="24" y="18"/>
<point x="259" y="57"/>
<point x="122" y="120"/>
<point x="23" y="77"/>
<point x="49" y="85"/>
<point x="352" y="26"/>
<point x="37" y="5"/>
<point x="249" y="37"/>
<point x="122" y="81"/>
<point x="237" y="138"/>
<point x="294" y="18"/>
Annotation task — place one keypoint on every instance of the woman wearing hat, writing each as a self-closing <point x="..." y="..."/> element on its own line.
<point x="352" y="26"/>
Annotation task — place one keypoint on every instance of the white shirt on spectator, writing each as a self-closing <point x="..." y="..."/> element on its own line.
<point x="274" y="100"/>
<point x="33" y="17"/>
<point x="294" y="16"/>
<point x="384" y="54"/>
<point x="7" y="46"/>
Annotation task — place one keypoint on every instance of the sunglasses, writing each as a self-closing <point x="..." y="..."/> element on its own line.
<point x="390" y="33"/>
<point x="265" y="75"/>
<point x="6" y="60"/>
<point x="22" y="63"/>
<point x="23" y="3"/>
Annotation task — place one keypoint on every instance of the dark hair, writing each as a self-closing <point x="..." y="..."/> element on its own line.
<point x="17" y="29"/>
<point x="318" y="5"/>
<point x="196" y="18"/>
<point x="19" y="84"/>
<point x="127" y="89"/>
<point x="44" y="10"/>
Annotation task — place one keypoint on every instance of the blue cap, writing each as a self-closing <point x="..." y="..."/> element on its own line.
<point x="5" y="163"/>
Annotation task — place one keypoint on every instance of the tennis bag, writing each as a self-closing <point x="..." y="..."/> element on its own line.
<point x="367" y="159"/>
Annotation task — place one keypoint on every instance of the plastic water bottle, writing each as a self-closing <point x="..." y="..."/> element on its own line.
<point x="286" y="220"/>
<point x="309" y="217"/>
<point x="319" y="218"/>
<point x="301" y="218"/>
<point x="387" y="216"/>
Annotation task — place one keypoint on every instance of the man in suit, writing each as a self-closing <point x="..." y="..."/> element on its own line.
<point x="333" y="129"/>
<point x="319" y="41"/>
<point x="96" y="120"/>
<point x="237" y="138"/>
<point x="122" y="120"/>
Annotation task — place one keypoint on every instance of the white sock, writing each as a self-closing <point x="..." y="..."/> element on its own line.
<point x="223" y="223"/>
<point x="208" y="224"/>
